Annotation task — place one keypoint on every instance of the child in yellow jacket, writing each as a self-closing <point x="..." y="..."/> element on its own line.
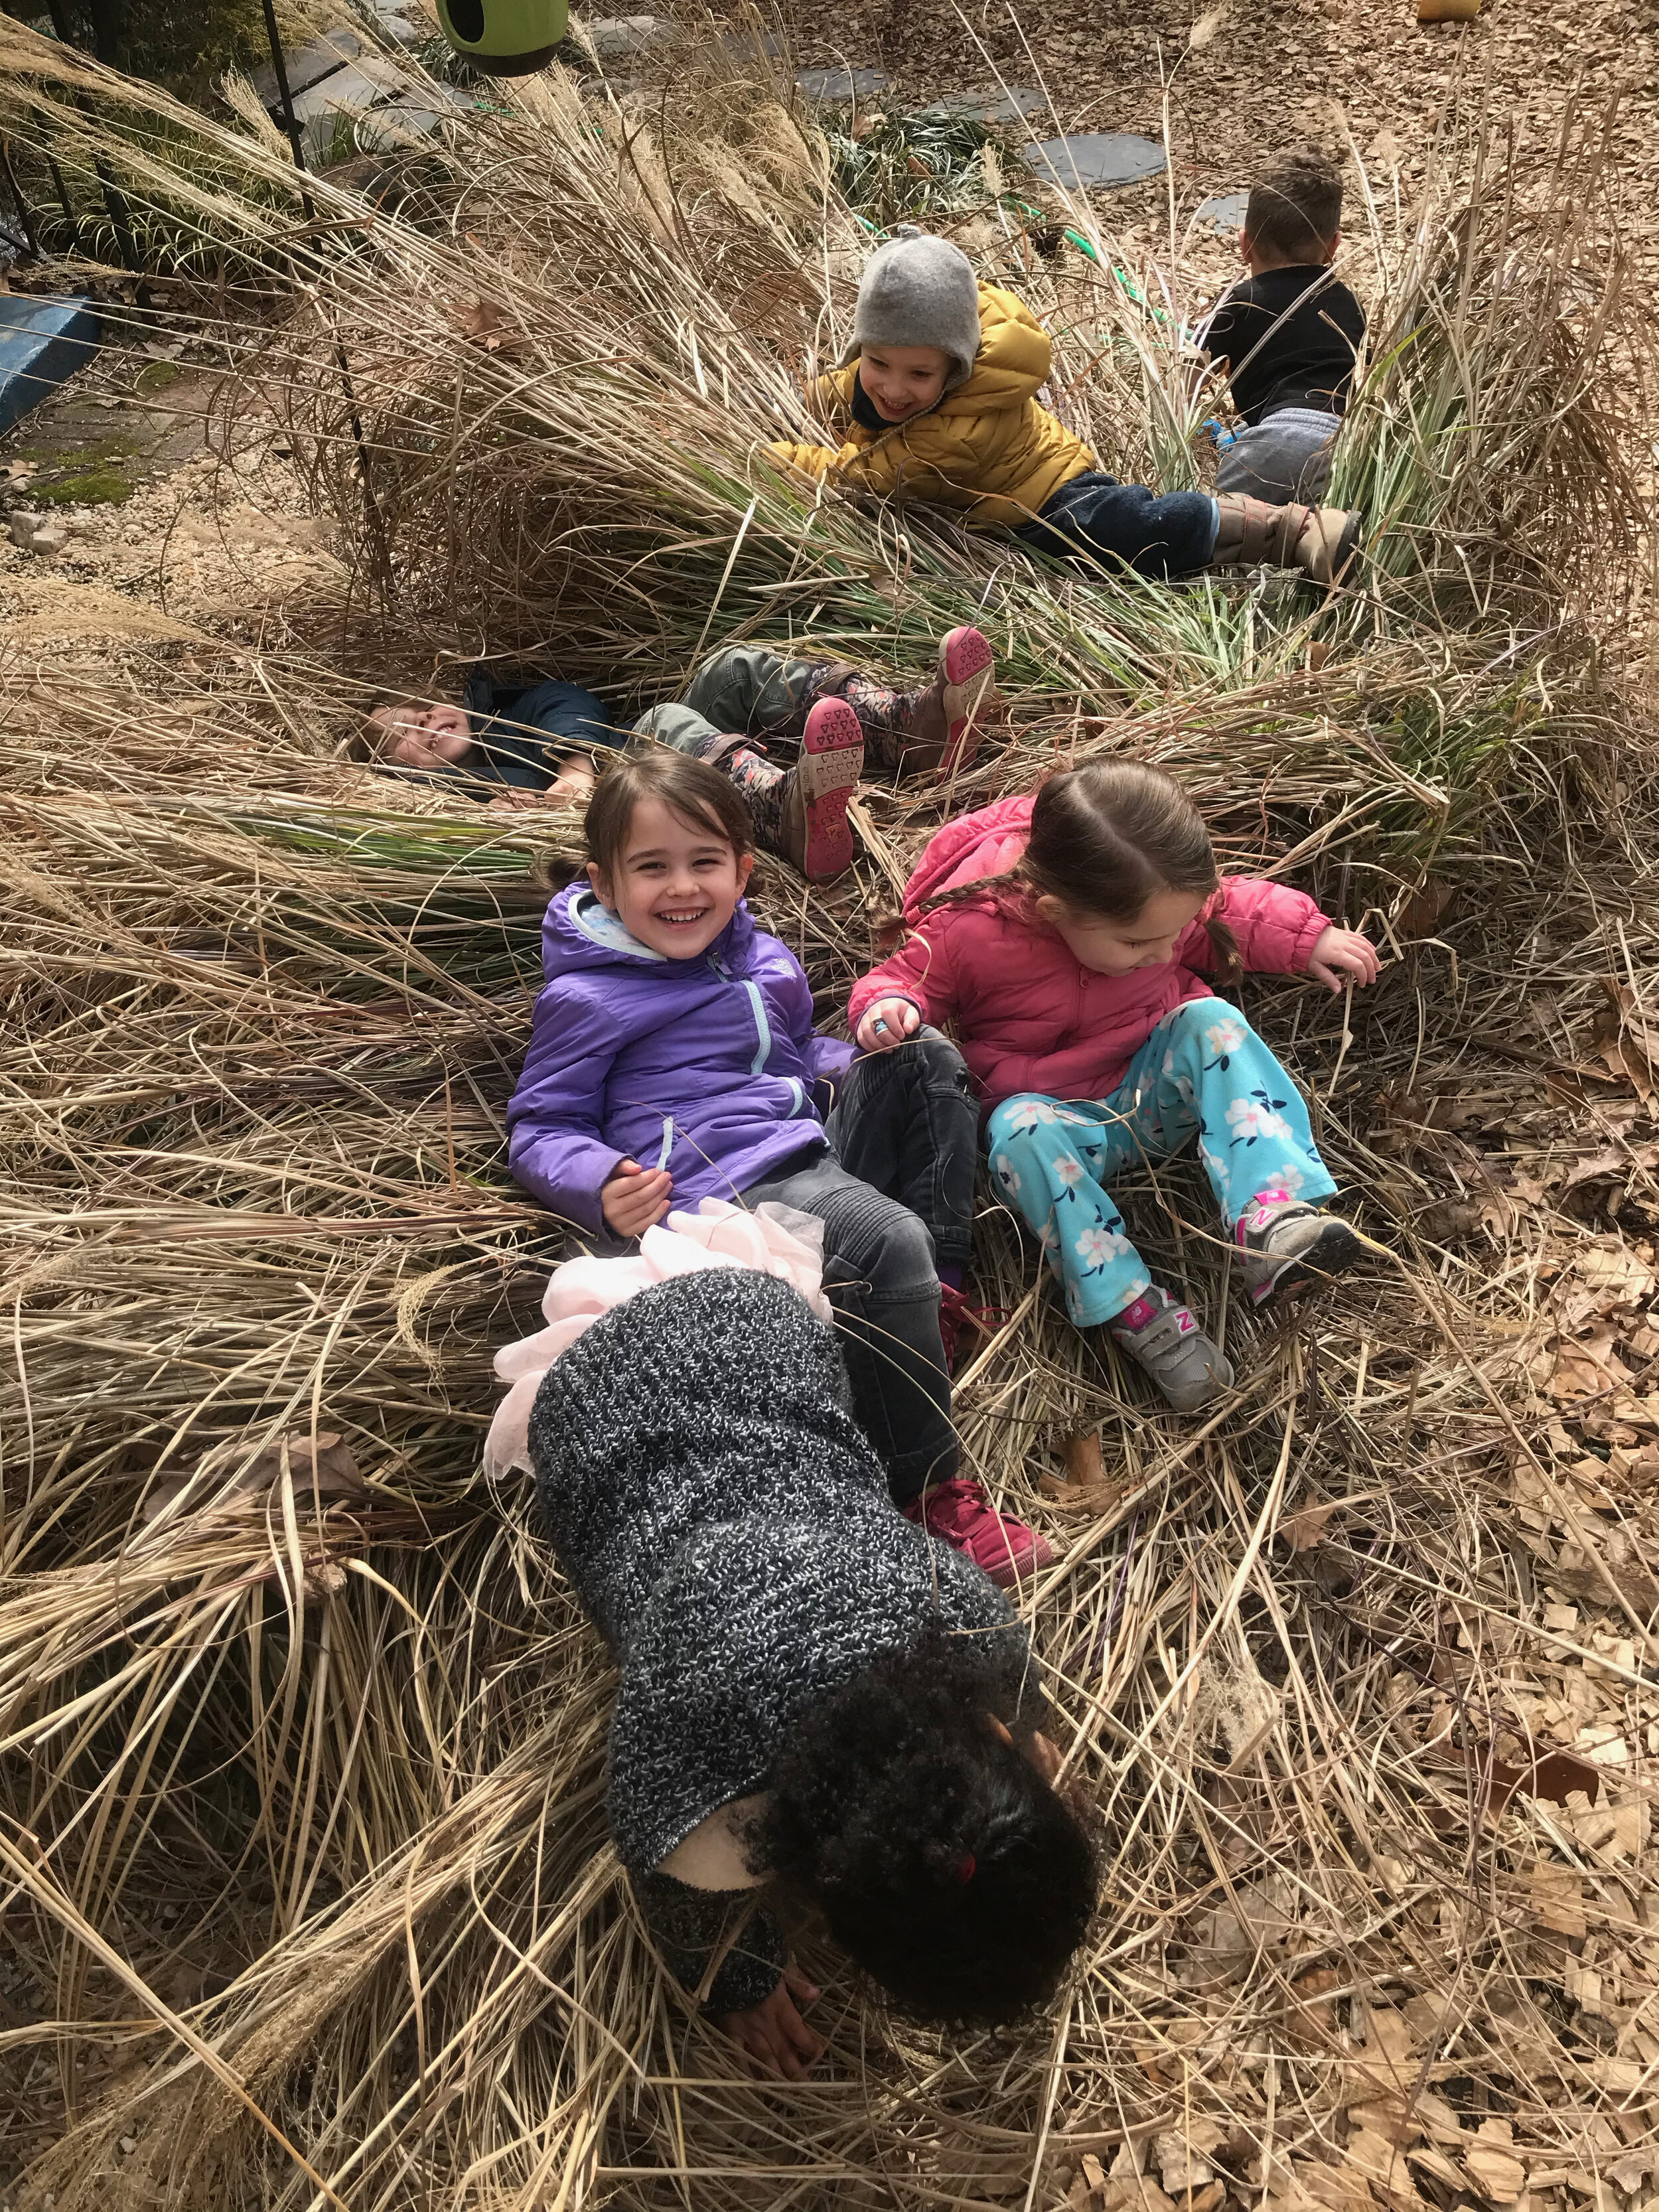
<point x="938" y="402"/>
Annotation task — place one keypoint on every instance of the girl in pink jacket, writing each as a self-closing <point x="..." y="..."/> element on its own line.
<point x="1062" y="936"/>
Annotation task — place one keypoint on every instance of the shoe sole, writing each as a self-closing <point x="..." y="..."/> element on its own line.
<point x="1347" y="547"/>
<point x="826" y="776"/>
<point x="1008" y="1573"/>
<point x="968" y="668"/>
<point x="1332" y="1253"/>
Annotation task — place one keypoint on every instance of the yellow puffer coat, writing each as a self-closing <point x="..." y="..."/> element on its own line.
<point x="986" y="446"/>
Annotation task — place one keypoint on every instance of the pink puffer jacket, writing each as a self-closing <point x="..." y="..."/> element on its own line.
<point x="1027" y="1014"/>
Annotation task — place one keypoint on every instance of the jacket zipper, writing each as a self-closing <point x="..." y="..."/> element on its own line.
<point x="756" y="1006"/>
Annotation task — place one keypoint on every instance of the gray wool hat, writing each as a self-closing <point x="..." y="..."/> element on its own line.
<point x="919" y="290"/>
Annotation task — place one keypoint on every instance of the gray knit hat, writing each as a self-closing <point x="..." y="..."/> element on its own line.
<point x="919" y="290"/>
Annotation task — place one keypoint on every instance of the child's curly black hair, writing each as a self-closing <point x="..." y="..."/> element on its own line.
<point x="943" y="1862"/>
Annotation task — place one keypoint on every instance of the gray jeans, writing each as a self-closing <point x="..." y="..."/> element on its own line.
<point x="904" y="1126"/>
<point x="743" y="691"/>
<point x="1287" y="458"/>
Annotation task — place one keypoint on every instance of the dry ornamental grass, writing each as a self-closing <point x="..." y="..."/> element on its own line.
<point x="304" y="1854"/>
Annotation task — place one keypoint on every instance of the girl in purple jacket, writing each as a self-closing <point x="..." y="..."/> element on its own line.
<point x="673" y="1058"/>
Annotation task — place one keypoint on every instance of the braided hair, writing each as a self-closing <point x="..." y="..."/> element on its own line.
<point x="1104" y="839"/>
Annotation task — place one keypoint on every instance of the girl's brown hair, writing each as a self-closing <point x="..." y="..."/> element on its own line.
<point x="1104" y="839"/>
<point x="692" y="790"/>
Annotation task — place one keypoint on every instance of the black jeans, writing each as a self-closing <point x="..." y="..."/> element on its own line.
<point x="895" y="1196"/>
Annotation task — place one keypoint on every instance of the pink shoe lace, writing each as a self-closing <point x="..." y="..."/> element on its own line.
<point x="957" y="1311"/>
<point x="960" y="1514"/>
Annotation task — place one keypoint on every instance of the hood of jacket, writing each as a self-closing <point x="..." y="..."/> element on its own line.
<point x="581" y="936"/>
<point x="985" y="844"/>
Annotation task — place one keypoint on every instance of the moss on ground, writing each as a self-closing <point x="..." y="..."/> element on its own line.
<point x="96" y="487"/>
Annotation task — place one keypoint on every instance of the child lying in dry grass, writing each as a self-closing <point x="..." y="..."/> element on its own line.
<point x="536" y="742"/>
<point x="795" y="735"/>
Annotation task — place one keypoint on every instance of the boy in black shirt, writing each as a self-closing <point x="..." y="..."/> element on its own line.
<point x="1288" y="335"/>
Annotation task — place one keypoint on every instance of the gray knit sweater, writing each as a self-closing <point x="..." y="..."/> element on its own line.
<point x="728" y="1527"/>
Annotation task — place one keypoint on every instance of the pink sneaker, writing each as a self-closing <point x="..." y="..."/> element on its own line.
<point x="815" y="835"/>
<point x="967" y="674"/>
<point x="960" y="1514"/>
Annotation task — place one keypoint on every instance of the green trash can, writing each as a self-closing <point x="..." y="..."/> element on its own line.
<point x="505" y="37"/>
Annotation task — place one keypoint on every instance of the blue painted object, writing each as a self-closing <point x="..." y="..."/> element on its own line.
<point x="42" y="344"/>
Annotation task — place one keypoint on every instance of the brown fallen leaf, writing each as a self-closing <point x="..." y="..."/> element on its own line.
<point x="1627" y="1039"/>
<point x="1304" y="1528"/>
<point x="1422" y="911"/>
<point x="1554" y="1776"/>
<point x="485" y="324"/>
<point x="1588" y="1367"/>
<point x="328" y="1472"/>
<point x="1087" y="1488"/>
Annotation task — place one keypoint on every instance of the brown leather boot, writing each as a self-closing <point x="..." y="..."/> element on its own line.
<point x="936" y="731"/>
<point x="1322" y="541"/>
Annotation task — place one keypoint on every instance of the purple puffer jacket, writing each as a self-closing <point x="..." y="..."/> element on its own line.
<point x="704" y="1066"/>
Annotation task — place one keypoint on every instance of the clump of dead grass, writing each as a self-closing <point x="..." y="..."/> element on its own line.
<point x="302" y="1733"/>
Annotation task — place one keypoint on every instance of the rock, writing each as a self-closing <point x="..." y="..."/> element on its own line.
<point x="613" y="36"/>
<point x="1222" y="211"/>
<point x="405" y="122"/>
<point x="23" y="523"/>
<point x="1096" y="160"/>
<point x="831" y="86"/>
<point x="308" y="65"/>
<point x="994" y="106"/>
<point x="49" y="540"/>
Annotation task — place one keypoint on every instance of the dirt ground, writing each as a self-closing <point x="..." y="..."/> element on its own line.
<point x="185" y="524"/>
<point x="1247" y="79"/>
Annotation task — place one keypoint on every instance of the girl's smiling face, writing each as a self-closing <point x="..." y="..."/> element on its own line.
<point x="1147" y="940"/>
<point x="904" y="381"/>
<point x="676" y="885"/>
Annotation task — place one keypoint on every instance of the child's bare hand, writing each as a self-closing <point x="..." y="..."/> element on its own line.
<point x="887" y="1024"/>
<point x="635" y="1199"/>
<point x="772" y="2035"/>
<point x="1343" y="956"/>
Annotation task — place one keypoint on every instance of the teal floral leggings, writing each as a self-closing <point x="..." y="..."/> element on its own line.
<point x="1202" y="1072"/>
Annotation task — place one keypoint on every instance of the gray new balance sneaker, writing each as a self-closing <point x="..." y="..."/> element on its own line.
<point x="1164" y="1339"/>
<point x="1286" y="1243"/>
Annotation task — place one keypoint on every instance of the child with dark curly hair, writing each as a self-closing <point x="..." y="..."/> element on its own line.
<point x="819" y="1706"/>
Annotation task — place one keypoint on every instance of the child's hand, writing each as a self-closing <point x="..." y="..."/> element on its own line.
<point x="633" y="1201"/>
<point x="772" y="2035"/>
<point x="1343" y="956"/>
<point x="887" y="1024"/>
